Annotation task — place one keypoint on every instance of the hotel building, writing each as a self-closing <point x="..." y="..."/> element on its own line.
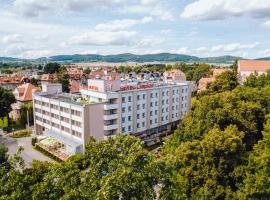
<point x="148" y="110"/>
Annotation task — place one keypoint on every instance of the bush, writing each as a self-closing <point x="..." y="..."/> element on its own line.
<point x="21" y="134"/>
<point x="34" y="141"/>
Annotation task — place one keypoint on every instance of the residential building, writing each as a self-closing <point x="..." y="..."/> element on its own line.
<point x="23" y="94"/>
<point x="248" y="67"/>
<point x="174" y="75"/>
<point x="11" y="82"/>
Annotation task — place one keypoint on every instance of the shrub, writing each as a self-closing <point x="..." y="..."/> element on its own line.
<point x="21" y="134"/>
<point x="34" y="141"/>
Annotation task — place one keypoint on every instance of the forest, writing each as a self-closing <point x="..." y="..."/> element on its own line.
<point x="221" y="150"/>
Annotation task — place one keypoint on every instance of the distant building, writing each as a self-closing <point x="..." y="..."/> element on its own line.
<point x="174" y="75"/>
<point x="248" y="67"/>
<point x="48" y="78"/>
<point x="204" y="81"/>
<point x="11" y="82"/>
<point x="23" y="94"/>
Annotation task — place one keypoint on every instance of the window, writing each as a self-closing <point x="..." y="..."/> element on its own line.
<point x="156" y="94"/>
<point x="173" y="92"/>
<point x="129" y="99"/>
<point x="138" y="116"/>
<point x="167" y="117"/>
<point x="138" y="97"/>
<point x="123" y="129"/>
<point x="143" y="96"/>
<point x="129" y="118"/>
<point x="129" y="108"/>
<point x="143" y="106"/>
<point x="151" y="122"/>
<point x="143" y="124"/>
<point x="167" y="93"/>
<point x="123" y="110"/>
<point x="162" y="102"/>
<point x="123" y="99"/>
<point x="138" y="125"/>
<point x="129" y="128"/>
<point x="167" y="109"/>
<point x="151" y="104"/>
<point x="155" y="112"/>
<point x="151" y="113"/>
<point x="172" y="107"/>
<point x="172" y="115"/>
<point x="162" y="110"/>
<point x="138" y="107"/>
<point x="123" y="119"/>
<point x="163" y="93"/>
<point x="143" y="115"/>
<point x="156" y="120"/>
<point x="162" y="119"/>
<point x="173" y="100"/>
<point x="167" y="101"/>
<point x="156" y="103"/>
<point x="151" y="95"/>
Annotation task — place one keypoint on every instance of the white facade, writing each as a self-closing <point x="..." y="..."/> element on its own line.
<point x="145" y="110"/>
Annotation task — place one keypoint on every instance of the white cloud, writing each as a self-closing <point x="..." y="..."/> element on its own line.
<point x="220" y="9"/>
<point x="233" y="47"/>
<point x="36" y="53"/>
<point x="33" y="8"/>
<point x="102" y="38"/>
<point x="123" y="24"/>
<point x="266" y="24"/>
<point x="11" y="39"/>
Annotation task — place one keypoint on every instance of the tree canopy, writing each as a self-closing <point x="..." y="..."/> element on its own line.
<point x="51" y="68"/>
<point x="6" y="99"/>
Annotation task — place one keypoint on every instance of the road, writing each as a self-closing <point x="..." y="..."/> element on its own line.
<point x="28" y="154"/>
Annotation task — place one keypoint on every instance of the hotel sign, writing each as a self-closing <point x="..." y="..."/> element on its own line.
<point x="137" y="87"/>
<point x="92" y="87"/>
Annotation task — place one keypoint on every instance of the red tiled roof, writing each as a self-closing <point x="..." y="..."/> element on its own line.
<point x="25" y="91"/>
<point x="254" y="65"/>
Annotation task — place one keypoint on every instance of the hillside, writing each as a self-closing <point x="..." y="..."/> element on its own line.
<point x="161" y="57"/>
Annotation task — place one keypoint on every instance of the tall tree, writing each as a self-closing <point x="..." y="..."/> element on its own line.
<point x="63" y="78"/>
<point x="6" y="99"/>
<point x="51" y="68"/>
<point x="27" y="109"/>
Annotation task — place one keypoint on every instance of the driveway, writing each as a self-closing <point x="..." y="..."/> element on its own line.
<point x="28" y="154"/>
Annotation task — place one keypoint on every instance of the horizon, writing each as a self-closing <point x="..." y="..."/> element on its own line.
<point x="201" y="28"/>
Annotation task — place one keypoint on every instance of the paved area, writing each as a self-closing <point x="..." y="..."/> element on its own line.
<point x="29" y="154"/>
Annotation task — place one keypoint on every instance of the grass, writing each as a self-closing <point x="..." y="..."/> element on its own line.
<point x="21" y="134"/>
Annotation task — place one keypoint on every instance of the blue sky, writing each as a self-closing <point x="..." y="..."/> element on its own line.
<point x="36" y="28"/>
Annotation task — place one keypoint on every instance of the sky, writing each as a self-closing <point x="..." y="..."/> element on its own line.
<point x="42" y="28"/>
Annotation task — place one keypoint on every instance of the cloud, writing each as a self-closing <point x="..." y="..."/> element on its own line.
<point x="220" y="9"/>
<point x="122" y="24"/>
<point x="266" y="24"/>
<point x="33" y="8"/>
<point x="232" y="47"/>
<point x="11" y="39"/>
<point x="103" y="38"/>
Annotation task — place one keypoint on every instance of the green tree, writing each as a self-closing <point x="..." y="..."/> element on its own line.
<point x="257" y="179"/>
<point x="87" y="71"/>
<point x="26" y="108"/>
<point x="34" y="81"/>
<point x="6" y="99"/>
<point x="63" y="78"/>
<point x="51" y="68"/>
<point x="207" y="168"/>
<point x="226" y="81"/>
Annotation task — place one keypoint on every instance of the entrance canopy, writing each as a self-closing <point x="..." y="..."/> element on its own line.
<point x="61" y="138"/>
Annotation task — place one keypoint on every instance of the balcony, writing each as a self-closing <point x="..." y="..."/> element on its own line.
<point x="110" y="117"/>
<point x="111" y="106"/>
<point x="110" y="127"/>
